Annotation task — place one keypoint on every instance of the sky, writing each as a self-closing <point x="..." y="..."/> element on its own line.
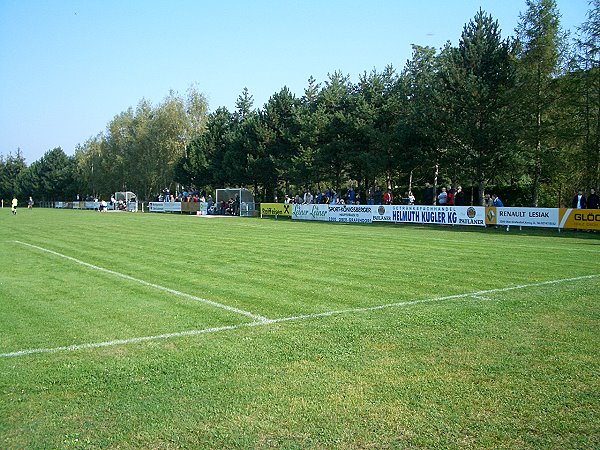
<point x="68" y="67"/>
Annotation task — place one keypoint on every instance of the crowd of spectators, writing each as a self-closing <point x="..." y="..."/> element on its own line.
<point x="184" y="196"/>
<point x="447" y="196"/>
<point x="351" y="197"/>
<point x="580" y="201"/>
<point x="230" y="207"/>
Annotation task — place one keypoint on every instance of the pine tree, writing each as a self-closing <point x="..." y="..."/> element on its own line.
<point x="541" y="47"/>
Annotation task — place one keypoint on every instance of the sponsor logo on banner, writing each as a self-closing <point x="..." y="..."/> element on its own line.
<point x="580" y="219"/>
<point x="310" y="212"/>
<point x="527" y="217"/>
<point x="441" y="215"/>
<point x="383" y="213"/>
<point x="350" y="213"/>
<point x="275" y="209"/>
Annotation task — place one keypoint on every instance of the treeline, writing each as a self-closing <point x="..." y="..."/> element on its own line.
<point x="521" y="114"/>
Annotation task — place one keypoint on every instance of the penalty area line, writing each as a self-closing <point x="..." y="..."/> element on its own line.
<point x="255" y="317"/>
<point x="135" y="340"/>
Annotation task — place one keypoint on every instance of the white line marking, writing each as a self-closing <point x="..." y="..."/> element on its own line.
<point x="155" y="286"/>
<point x="284" y="319"/>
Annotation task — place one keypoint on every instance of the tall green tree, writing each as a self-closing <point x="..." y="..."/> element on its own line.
<point x="50" y="178"/>
<point x="541" y="46"/>
<point x="588" y="108"/>
<point x="141" y="148"/>
<point x="372" y="120"/>
<point x="10" y="168"/>
<point x="335" y="137"/>
<point x="311" y="118"/>
<point x="421" y="115"/>
<point x="478" y="76"/>
<point x="280" y="135"/>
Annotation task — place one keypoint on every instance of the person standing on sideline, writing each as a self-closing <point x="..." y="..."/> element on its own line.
<point x="14" y="204"/>
<point x="428" y="195"/>
<point x="442" y="197"/>
<point x="487" y="201"/>
<point x="450" y="196"/>
<point x="459" y="197"/>
<point x="30" y="203"/>
<point x="579" y="200"/>
<point x="388" y="198"/>
<point x="592" y="200"/>
<point x="498" y="204"/>
<point x="378" y="196"/>
<point x="496" y="201"/>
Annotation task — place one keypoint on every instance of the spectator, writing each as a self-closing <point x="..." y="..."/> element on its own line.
<point x="459" y="197"/>
<point x="370" y="197"/>
<point x="377" y="196"/>
<point x="388" y="198"/>
<point x="498" y="204"/>
<point x="411" y="198"/>
<point x="442" y="197"/>
<point x="209" y="205"/>
<point x="592" y="200"/>
<point x="487" y="201"/>
<point x="350" y="196"/>
<point x="319" y="197"/>
<point x="496" y="201"/>
<point x="450" y="197"/>
<point x="579" y="201"/>
<point x="30" y="203"/>
<point x="236" y="205"/>
<point x="308" y="198"/>
<point x="428" y="194"/>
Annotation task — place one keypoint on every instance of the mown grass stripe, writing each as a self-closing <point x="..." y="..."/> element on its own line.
<point x="152" y="285"/>
<point x="479" y="295"/>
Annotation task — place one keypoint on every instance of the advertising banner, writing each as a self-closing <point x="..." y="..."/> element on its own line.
<point x="441" y="215"/>
<point x="526" y="217"/>
<point x="275" y="209"/>
<point x="350" y="213"/>
<point x="165" y="207"/>
<point x="310" y="212"/>
<point x="580" y="219"/>
<point x="190" y="207"/>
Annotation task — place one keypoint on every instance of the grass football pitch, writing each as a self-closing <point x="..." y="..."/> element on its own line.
<point x="157" y="331"/>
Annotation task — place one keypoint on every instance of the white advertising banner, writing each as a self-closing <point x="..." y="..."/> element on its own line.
<point x="529" y="217"/>
<point x="310" y="212"/>
<point x="350" y="213"/>
<point x="440" y="215"/>
<point x="165" y="207"/>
